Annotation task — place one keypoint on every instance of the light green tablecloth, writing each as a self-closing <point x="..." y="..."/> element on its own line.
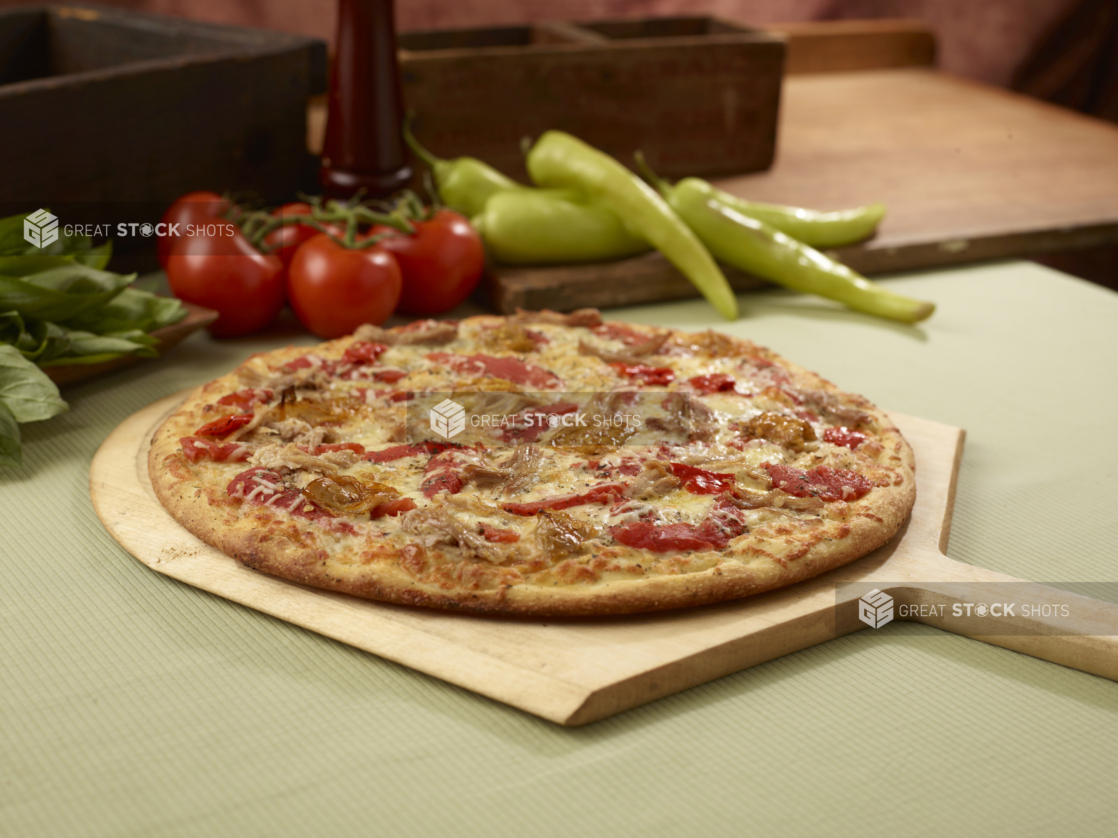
<point x="131" y="704"/>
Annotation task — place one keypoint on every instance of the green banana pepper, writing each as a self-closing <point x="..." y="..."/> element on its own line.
<point x="523" y="225"/>
<point x="811" y="227"/>
<point x="558" y="160"/>
<point x="526" y="227"/>
<point x="465" y="183"/>
<point x="761" y="249"/>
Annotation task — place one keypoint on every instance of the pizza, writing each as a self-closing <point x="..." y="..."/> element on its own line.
<point x="541" y="464"/>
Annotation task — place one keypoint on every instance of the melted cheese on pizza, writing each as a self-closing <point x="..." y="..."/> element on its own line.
<point x="735" y="455"/>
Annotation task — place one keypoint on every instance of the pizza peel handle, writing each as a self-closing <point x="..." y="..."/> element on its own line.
<point x="928" y="587"/>
<point x="1047" y="623"/>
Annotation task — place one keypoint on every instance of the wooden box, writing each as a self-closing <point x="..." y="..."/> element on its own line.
<point x="698" y="95"/>
<point x="109" y="113"/>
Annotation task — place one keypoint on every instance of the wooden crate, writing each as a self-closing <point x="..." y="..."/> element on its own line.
<point x="698" y="95"/>
<point x="109" y="115"/>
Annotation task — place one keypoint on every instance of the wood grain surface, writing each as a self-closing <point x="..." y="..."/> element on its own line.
<point x="968" y="172"/>
<point x="698" y="95"/>
<point x="578" y="671"/>
<point x="835" y="46"/>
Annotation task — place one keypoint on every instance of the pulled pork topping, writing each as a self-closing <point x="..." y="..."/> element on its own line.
<point x="586" y="317"/>
<point x="428" y="333"/>
<point x="434" y="525"/>
<point x="656" y="480"/>
<point x="634" y="355"/>
<point x="289" y="457"/>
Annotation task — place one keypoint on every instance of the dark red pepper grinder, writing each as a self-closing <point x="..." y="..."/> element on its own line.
<point x="363" y="148"/>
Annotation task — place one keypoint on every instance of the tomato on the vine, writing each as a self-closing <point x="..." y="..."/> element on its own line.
<point x="183" y="215"/>
<point x="226" y="273"/>
<point x="441" y="262"/>
<point x="285" y="240"/>
<point x="334" y="289"/>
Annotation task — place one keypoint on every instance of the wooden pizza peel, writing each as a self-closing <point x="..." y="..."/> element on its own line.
<point x="578" y="671"/>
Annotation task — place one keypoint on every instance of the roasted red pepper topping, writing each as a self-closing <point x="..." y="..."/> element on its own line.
<point x="301" y="363"/>
<point x="265" y="487"/>
<point x="363" y="353"/>
<point x="397" y="452"/>
<point x="444" y="475"/>
<point x="195" y="449"/>
<point x="245" y="399"/>
<point x="723" y="523"/>
<point x="844" y="436"/>
<point x="630" y="467"/>
<point x="244" y="483"/>
<point x="509" y="369"/>
<point x="389" y="376"/>
<point x="603" y="494"/>
<point x="715" y="382"/>
<point x="645" y="374"/>
<point x="659" y="538"/>
<point x="699" y="481"/>
<point x="447" y="481"/>
<point x="393" y="508"/>
<point x="522" y="430"/>
<point x="823" y="482"/>
<point x="498" y="535"/>
<point x="614" y="331"/>
<point x="225" y="425"/>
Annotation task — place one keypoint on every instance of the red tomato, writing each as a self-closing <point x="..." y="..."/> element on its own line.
<point x="227" y="274"/>
<point x="441" y="262"/>
<point x="189" y="210"/>
<point x="288" y="237"/>
<point x="335" y="289"/>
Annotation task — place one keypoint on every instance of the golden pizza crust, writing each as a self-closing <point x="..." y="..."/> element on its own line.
<point x="783" y="549"/>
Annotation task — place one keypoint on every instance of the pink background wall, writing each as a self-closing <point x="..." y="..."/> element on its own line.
<point x="982" y="39"/>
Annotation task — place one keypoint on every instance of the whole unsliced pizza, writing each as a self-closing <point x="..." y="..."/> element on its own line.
<point x="539" y="464"/>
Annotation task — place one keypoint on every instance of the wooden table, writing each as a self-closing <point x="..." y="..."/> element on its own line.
<point x="969" y="173"/>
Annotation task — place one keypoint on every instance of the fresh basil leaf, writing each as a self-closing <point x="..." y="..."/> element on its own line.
<point x="88" y="348"/>
<point x="51" y="340"/>
<point x="32" y="263"/>
<point x="131" y="309"/>
<point x="60" y="293"/>
<point x="95" y="257"/>
<point x="47" y="341"/>
<point x="36" y="340"/>
<point x="11" y="327"/>
<point x="136" y="336"/>
<point x="65" y="244"/>
<point x="11" y="452"/>
<point x="25" y="389"/>
<point x="12" y="241"/>
<point x="82" y="279"/>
